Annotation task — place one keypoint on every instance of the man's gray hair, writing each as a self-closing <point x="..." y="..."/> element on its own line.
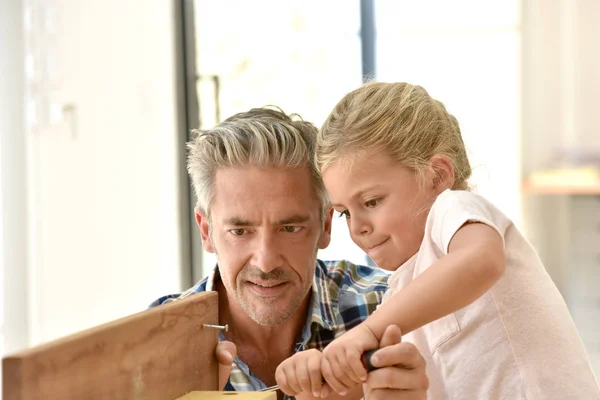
<point x="261" y="137"/>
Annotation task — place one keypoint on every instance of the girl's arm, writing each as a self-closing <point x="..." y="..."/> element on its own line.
<point x="475" y="261"/>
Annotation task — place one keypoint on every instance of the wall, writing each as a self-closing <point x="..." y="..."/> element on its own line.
<point x="13" y="249"/>
<point x="104" y="148"/>
<point x="561" y="81"/>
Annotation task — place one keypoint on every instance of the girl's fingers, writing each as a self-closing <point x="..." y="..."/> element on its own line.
<point x="330" y="375"/>
<point x="354" y="367"/>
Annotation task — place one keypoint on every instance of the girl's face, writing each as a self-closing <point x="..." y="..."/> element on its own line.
<point x="384" y="203"/>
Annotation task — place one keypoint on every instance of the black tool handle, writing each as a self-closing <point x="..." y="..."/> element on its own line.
<point x="366" y="360"/>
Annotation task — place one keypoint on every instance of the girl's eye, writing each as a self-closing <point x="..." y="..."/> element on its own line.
<point x="345" y="213"/>
<point x="372" y="203"/>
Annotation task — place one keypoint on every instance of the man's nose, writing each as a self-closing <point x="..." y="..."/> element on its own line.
<point x="266" y="255"/>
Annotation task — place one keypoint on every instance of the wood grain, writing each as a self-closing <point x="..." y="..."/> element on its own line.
<point x="161" y="353"/>
<point x="207" y="395"/>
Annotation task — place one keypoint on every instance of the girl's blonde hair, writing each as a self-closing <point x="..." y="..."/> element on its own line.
<point x="399" y="119"/>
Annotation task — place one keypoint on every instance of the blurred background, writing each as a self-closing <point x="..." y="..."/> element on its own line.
<point x="97" y="98"/>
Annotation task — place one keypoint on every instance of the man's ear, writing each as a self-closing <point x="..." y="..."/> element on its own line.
<point x="204" y="226"/>
<point x="326" y="235"/>
<point x="443" y="172"/>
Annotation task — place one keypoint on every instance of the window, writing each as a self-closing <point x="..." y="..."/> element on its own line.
<point x="302" y="56"/>
<point x="467" y="55"/>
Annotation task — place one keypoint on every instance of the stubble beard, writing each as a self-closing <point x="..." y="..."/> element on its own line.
<point x="261" y="315"/>
<point x="272" y="318"/>
<point x="267" y="318"/>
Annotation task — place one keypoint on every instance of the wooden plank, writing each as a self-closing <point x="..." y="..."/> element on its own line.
<point x="161" y="353"/>
<point x="208" y="395"/>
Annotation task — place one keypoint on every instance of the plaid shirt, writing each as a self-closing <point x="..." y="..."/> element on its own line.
<point x="343" y="295"/>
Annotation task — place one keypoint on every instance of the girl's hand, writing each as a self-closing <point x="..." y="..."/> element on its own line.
<point x="342" y="365"/>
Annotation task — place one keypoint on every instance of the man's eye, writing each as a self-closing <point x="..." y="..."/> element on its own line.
<point x="372" y="203"/>
<point x="238" y="231"/>
<point x="292" y="229"/>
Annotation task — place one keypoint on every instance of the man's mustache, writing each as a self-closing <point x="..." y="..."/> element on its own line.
<point x="274" y="275"/>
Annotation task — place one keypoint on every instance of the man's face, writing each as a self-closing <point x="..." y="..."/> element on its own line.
<point x="265" y="229"/>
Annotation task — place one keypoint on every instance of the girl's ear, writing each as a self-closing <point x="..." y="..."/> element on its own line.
<point x="443" y="172"/>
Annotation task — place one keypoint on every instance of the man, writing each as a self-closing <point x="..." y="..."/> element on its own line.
<point x="263" y="210"/>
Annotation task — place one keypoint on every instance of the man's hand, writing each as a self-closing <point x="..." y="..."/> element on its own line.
<point x="342" y="364"/>
<point x="302" y="373"/>
<point x="225" y="353"/>
<point x="401" y="374"/>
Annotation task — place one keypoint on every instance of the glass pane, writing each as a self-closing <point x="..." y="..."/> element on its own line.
<point x="302" y="56"/>
<point x="299" y="55"/>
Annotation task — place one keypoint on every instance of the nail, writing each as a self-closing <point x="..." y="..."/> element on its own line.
<point x="220" y="327"/>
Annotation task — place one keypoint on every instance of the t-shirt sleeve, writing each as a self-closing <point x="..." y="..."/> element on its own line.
<point x="453" y="209"/>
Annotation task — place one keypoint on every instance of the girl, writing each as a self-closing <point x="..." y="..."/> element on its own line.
<point x="467" y="288"/>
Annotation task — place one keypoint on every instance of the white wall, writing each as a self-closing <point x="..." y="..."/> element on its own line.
<point x="13" y="250"/>
<point x="104" y="175"/>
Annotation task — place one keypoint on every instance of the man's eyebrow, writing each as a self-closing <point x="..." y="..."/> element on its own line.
<point x="237" y="221"/>
<point x="296" y="219"/>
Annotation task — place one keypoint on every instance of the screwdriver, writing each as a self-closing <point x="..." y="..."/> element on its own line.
<point x="365" y="358"/>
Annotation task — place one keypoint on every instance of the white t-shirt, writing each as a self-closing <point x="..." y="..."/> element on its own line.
<point x="517" y="341"/>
